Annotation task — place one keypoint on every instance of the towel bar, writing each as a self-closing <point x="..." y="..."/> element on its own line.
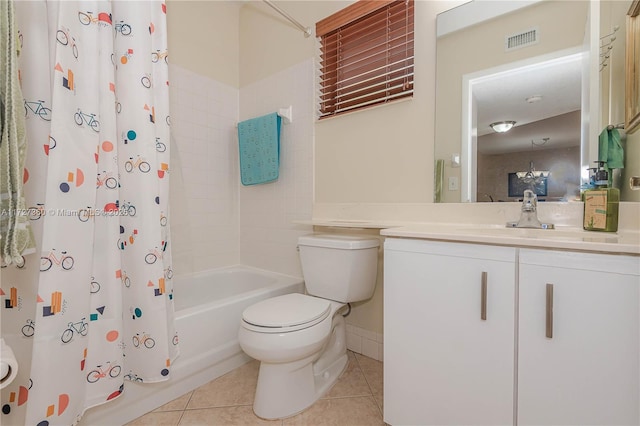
<point x="285" y="113"/>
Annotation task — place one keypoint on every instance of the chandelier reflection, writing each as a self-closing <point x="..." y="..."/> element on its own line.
<point x="532" y="175"/>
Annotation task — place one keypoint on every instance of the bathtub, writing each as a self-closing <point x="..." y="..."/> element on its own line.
<point x="208" y="308"/>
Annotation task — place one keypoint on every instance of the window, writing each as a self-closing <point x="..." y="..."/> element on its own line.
<point x="366" y="55"/>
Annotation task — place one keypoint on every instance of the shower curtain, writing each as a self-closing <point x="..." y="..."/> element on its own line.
<point x="95" y="307"/>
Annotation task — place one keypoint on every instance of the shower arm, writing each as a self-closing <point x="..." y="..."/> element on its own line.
<point x="305" y="30"/>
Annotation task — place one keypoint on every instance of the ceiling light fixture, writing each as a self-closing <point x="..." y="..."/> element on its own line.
<point x="502" y="126"/>
<point x="533" y="99"/>
<point x="532" y="175"/>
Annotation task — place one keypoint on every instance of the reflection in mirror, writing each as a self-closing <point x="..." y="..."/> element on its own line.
<point x="525" y="65"/>
<point x="547" y="112"/>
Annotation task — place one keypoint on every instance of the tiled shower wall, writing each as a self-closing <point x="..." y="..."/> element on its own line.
<point x="268" y="236"/>
<point x="204" y="172"/>
<point x="215" y="221"/>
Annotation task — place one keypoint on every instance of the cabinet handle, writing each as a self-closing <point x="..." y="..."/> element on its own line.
<point x="483" y="297"/>
<point x="549" y="322"/>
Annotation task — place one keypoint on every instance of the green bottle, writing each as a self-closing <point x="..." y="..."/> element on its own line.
<point x="601" y="204"/>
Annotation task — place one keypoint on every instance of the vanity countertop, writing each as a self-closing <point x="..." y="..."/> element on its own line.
<point x="564" y="238"/>
<point x="451" y="222"/>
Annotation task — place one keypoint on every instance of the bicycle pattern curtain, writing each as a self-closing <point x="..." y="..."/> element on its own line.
<point x="96" y="307"/>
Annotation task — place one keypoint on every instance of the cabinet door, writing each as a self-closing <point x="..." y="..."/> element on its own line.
<point x="587" y="372"/>
<point x="443" y="364"/>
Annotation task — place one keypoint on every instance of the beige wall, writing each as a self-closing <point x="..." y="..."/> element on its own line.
<point x="482" y="47"/>
<point x="203" y="37"/>
<point x="383" y="154"/>
<point x="269" y="43"/>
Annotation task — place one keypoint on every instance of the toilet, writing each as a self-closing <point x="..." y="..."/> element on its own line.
<point x="300" y="339"/>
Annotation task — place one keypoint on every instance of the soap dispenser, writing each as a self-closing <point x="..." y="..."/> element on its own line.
<point x="601" y="203"/>
<point x="588" y="185"/>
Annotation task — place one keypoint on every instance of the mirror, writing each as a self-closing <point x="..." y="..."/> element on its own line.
<point x="522" y="61"/>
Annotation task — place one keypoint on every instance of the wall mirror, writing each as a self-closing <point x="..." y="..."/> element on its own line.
<point x="522" y="62"/>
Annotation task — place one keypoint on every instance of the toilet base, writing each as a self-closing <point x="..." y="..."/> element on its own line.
<point x="286" y="389"/>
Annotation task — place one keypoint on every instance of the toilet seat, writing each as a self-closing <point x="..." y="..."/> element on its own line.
<point x="287" y="313"/>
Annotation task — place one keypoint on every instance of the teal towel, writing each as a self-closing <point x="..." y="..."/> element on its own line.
<point x="259" y="144"/>
<point x="610" y="149"/>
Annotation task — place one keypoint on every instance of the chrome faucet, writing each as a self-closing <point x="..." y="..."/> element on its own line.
<point x="529" y="213"/>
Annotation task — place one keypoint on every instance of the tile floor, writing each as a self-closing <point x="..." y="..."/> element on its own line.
<point x="356" y="399"/>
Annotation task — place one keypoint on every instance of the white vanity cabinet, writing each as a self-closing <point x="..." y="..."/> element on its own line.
<point x="444" y="364"/>
<point x="578" y="338"/>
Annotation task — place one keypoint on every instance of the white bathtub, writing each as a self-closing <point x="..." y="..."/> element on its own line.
<point x="208" y="310"/>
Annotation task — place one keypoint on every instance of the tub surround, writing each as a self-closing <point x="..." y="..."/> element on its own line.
<point x="267" y="236"/>
<point x="205" y="225"/>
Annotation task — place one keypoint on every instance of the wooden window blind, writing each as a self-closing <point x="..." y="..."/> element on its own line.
<point x="366" y="55"/>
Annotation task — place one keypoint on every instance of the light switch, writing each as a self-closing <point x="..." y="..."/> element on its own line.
<point x="455" y="160"/>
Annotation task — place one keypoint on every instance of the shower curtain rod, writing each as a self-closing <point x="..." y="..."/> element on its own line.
<point x="305" y="30"/>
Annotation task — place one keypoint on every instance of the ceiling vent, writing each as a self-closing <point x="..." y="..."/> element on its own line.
<point x="522" y="39"/>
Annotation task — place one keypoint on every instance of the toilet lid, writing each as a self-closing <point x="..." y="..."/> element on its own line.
<point x="293" y="310"/>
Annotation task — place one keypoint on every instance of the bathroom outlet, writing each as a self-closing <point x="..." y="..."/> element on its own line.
<point x="453" y="183"/>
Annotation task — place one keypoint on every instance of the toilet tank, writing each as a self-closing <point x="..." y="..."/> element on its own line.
<point x="339" y="267"/>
